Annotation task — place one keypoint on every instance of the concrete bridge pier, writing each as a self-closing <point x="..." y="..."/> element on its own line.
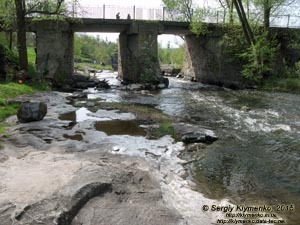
<point x="54" y="51"/>
<point x="206" y="61"/>
<point x="138" y="54"/>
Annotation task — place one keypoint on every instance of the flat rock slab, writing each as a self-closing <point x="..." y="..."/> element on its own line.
<point x="44" y="187"/>
<point x="189" y="133"/>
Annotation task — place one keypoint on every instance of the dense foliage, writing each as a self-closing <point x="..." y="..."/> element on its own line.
<point x="172" y="56"/>
<point x="89" y="48"/>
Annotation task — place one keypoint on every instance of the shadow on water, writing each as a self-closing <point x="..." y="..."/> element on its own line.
<point x="69" y="116"/>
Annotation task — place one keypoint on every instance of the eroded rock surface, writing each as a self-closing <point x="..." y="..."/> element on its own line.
<point x="47" y="177"/>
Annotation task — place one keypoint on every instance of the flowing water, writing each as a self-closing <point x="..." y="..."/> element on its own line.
<point x="257" y="157"/>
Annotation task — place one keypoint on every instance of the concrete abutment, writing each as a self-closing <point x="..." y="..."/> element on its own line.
<point x="205" y="61"/>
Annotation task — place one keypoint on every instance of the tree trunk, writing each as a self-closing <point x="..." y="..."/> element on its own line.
<point x="21" y="34"/>
<point x="231" y="12"/>
<point x="267" y="14"/>
<point x="246" y="27"/>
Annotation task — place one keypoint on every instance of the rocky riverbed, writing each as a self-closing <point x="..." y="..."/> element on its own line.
<point x="55" y="171"/>
<point x="130" y="156"/>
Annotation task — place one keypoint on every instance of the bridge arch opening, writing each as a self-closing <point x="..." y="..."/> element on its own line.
<point x="171" y="54"/>
<point x="95" y="52"/>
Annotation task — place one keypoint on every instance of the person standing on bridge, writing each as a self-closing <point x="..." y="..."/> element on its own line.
<point x="118" y="16"/>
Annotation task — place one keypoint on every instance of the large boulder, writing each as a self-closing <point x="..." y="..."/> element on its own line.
<point x="31" y="111"/>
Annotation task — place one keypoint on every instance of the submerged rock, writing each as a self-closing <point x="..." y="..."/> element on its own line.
<point x="31" y="111"/>
<point x="189" y="133"/>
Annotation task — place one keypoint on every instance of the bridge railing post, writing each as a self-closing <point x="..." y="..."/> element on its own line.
<point x="288" y="20"/>
<point x="134" y="12"/>
<point x="103" y="11"/>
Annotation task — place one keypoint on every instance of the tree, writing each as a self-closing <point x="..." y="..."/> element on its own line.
<point x="22" y="9"/>
<point x="186" y="10"/>
<point x="227" y="5"/>
<point x="269" y="7"/>
<point x="21" y="33"/>
<point x="181" y="9"/>
<point x="91" y="48"/>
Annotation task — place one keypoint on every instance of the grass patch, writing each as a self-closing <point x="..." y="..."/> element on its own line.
<point x="8" y="110"/>
<point x="12" y="90"/>
<point x="87" y="66"/>
<point x="165" y="128"/>
<point x="3" y="126"/>
<point x="31" y="55"/>
<point x="283" y="84"/>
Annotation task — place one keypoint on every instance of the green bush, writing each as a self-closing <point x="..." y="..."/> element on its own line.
<point x="260" y="58"/>
<point x="292" y="84"/>
<point x="283" y="84"/>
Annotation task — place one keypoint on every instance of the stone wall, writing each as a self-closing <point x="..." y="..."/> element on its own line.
<point x="288" y="50"/>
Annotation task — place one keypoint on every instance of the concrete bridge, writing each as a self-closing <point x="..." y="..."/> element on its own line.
<point x="138" y="49"/>
<point x="205" y="60"/>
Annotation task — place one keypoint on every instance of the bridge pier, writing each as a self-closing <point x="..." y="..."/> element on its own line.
<point x="138" y="54"/>
<point x="206" y="61"/>
<point x="54" y="51"/>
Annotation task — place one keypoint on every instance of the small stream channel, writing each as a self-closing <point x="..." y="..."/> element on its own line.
<point x="257" y="157"/>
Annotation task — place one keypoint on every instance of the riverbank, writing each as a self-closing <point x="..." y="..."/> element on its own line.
<point x="48" y="174"/>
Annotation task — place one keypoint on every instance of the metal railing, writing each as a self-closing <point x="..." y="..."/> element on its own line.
<point x="125" y="12"/>
<point x="162" y="14"/>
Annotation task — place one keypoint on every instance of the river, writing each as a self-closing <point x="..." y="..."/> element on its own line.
<point x="257" y="157"/>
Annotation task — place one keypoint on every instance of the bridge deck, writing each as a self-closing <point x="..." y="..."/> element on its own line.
<point x="117" y="25"/>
